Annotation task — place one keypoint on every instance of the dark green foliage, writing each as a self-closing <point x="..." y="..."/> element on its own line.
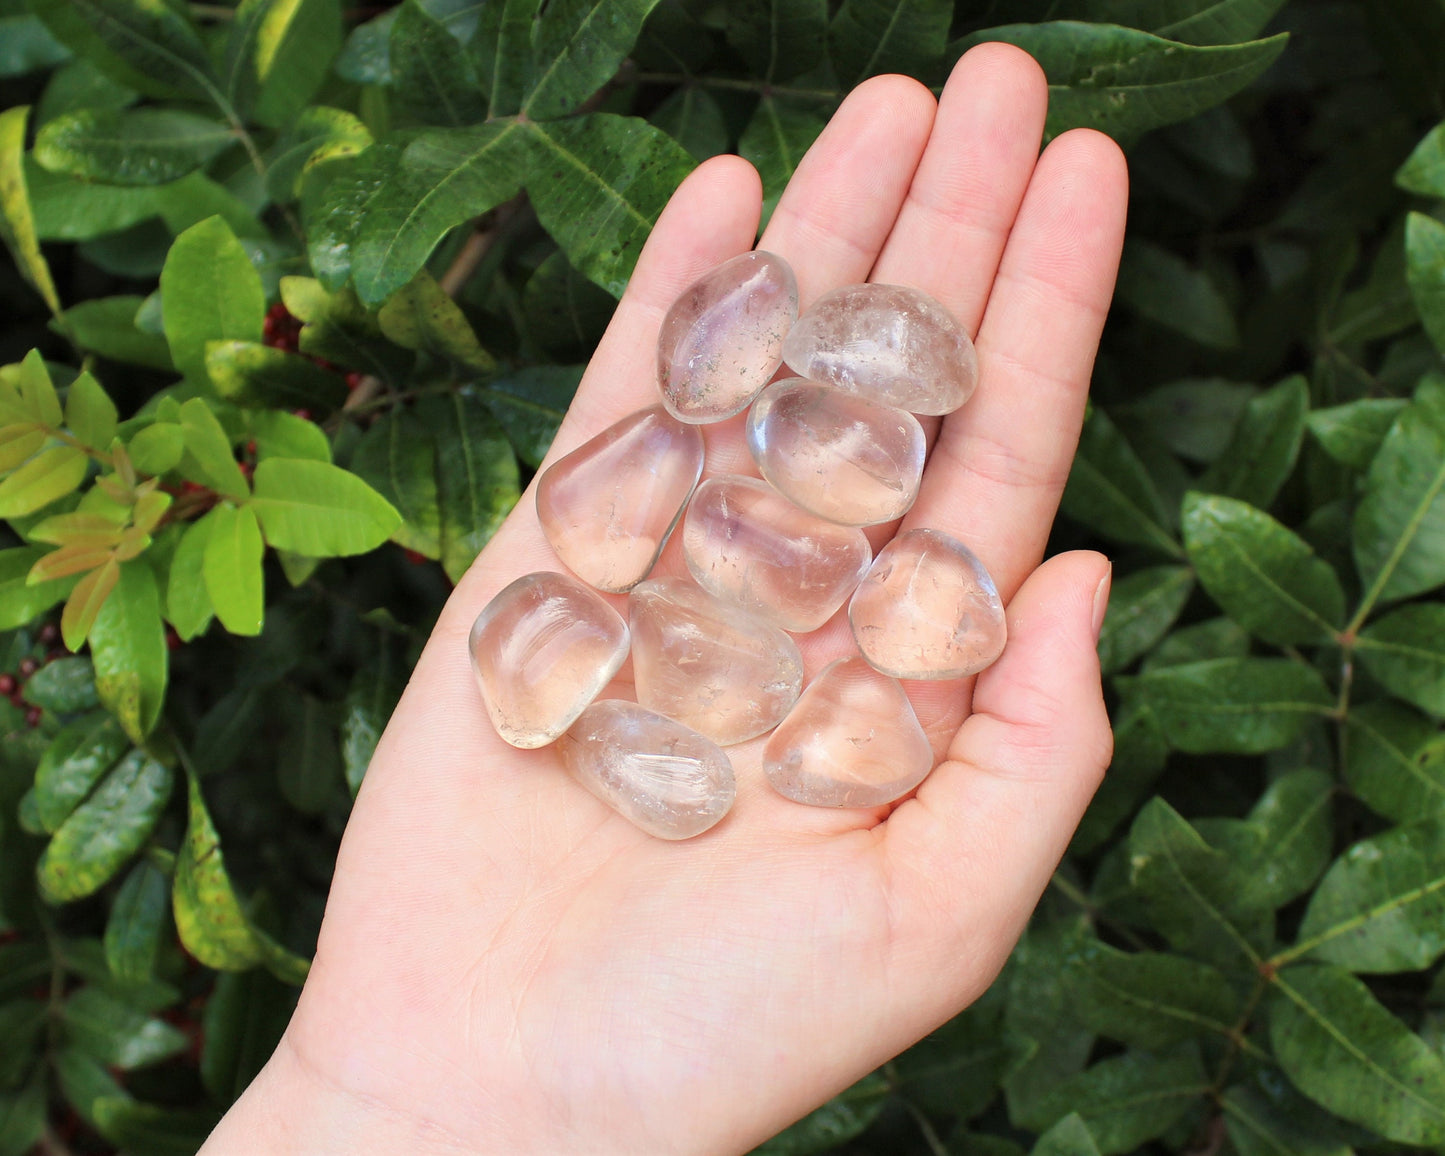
<point x="333" y="274"/>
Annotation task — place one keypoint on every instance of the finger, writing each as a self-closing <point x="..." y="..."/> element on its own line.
<point x="975" y="847"/>
<point x="999" y="465"/>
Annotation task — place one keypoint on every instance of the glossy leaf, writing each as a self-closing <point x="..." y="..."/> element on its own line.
<point x="1425" y="271"/>
<point x="370" y="699"/>
<point x="158" y="448"/>
<point x="318" y="509"/>
<point x="45" y="478"/>
<point x="208" y="459"/>
<point x="421" y="316"/>
<point x="317" y="134"/>
<point x="117" y="1035"/>
<point x="148" y="146"/>
<point x="251" y="374"/>
<point x="778" y="38"/>
<point x="1069" y="1137"/>
<point x="868" y="37"/>
<point x="17" y="222"/>
<point x="1189" y="21"/>
<point x="76" y="759"/>
<point x="231" y="568"/>
<point x="1264" y="447"/>
<point x="566" y="314"/>
<point x="1263" y="576"/>
<point x="1395" y="761"/>
<point x="1424" y="170"/>
<point x="1342" y="1048"/>
<point x="128" y="647"/>
<point x="338" y="328"/>
<point x="1142" y="608"/>
<point x="397" y="458"/>
<point x="430" y="74"/>
<point x="208" y="915"/>
<point x="1284" y="843"/>
<point x="102" y="833"/>
<point x="839" y="1120"/>
<point x="1260" y="1124"/>
<point x="243" y="1024"/>
<point x="577" y="47"/>
<point x="1405" y="652"/>
<point x="86" y="601"/>
<point x="1110" y="491"/>
<point x="209" y="292"/>
<point x="775" y="140"/>
<point x="278" y="54"/>
<point x="1352" y="433"/>
<point x="89" y="413"/>
<point x="530" y="405"/>
<point x="1194" y="417"/>
<point x="106" y="326"/>
<point x="19" y="600"/>
<point x="64" y="685"/>
<point x="137" y="923"/>
<point x="188" y="603"/>
<point x="1166" y="289"/>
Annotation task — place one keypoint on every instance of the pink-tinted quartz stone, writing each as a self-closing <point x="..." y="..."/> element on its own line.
<point x="852" y="740"/>
<point x="928" y="609"/>
<point x="609" y="506"/>
<point x="889" y="343"/>
<point x="748" y="545"/>
<point x="722" y="340"/>
<point x="542" y="650"/>
<point x="669" y="780"/>
<point x="709" y="665"/>
<point x="836" y="454"/>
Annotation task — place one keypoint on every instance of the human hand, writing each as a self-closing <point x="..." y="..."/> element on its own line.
<point x="508" y="966"/>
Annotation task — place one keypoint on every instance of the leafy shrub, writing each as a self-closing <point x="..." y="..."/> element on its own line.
<point x="309" y="291"/>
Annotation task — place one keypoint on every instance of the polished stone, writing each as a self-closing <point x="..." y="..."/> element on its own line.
<point x="928" y="609"/>
<point x="852" y="740"/>
<point x="748" y="545"/>
<point x="609" y="506"/>
<point x="711" y="666"/>
<point x="889" y="343"/>
<point x="666" y="778"/>
<point x="836" y="454"/>
<point x="542" y="650"/>
<point x="722" y="339"/>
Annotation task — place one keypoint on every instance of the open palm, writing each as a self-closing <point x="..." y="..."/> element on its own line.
<point x="508" y="966"/>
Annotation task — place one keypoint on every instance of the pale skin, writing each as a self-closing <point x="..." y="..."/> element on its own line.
<point x="506" y="965"/>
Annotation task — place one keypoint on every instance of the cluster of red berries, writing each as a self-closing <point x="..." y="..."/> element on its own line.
<point x="281" y="330"/>
<point x="12" y="684"/>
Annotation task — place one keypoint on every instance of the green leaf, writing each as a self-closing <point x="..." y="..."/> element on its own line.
<point x="22" y="1118"/>
<point x="1195" y="418"/>
<point x="26" y="46"/>
<point x="1125" y="82"/>
<point x="21" y="602"/>
<point x="231" y="567"/>
<point x="431" y="76"/>
<point x="116" y="1034"/>
<point x="1286" y="841"/>
<point x="284" y="435"/>
<point x="17" y="223"/>
<point x="45" y="478"/>
<point x="1263" y="1125"/>
<point x="578" y="45"/>
<point x="444" y="178"/>
<point x="158" y="448"/>
<point x="1189" y="21"/>
<point x="309" y="768"/>
<point x="780" y="39"/>
<point x="148" y="45"/>
<point x="397" y="458"/>
<point x="84" y="1080"/>
<point x="1142" y="607"/>
<point x="374" y="692"/>
<point x="1110" y="491"/>
<point x="598" y="183"/>
<point x="278" y="54"/>
<point x="1139" y="755"/>
<point x="338" y="328"/>
<point x="477" y="478"/>
<point x="693" y="117"/>
<point x="1352" y="433"/>
<point x="566" y="314"/>
<point x="89" y="413"/>
<point x="148" y="1128"/>
<point x="320" y="510"/>
<point x="1424" y="170"/>
<point x="839" y="1120"/>
<point x="1069" y="1137"/>
<point x="318" y="133"/>
<point x="137" y="923"/>
<point x="1149" y="999"/>
<point x="251" y="374"/>
<point x="188" y="604"/>
<point x="73" y="763"/>
<point x="1343" y="1049"/>
<point x="37" y="391"/>
<point x="775" y="140"/>
<point x="22" y="1021"/>
<point x="64" y="685"/>
<point x="208" y="459"/>
<point x="1405" y="652"/>
<point x="1239" y="705"/>
<point x="210" y="291"/>
<point x="244" y="1019"/>
<point x="106" y="326"/>
<point x="531" y="403"/>
<point x="1266" y="443"/>
<point x="1381" y="905"/>
<point x="1425" y="272"/>
<point x="208" y="915"/>
<point x="147" y="146"/>
<point x="1169" y="291"/>
<point x="1262" y="575"/>
<point x="421" y="316"/>
<point x="128" y="647"/>
<point x="1130" y="1099"/>
<point x="1399" y="529"/>
<point x="868" y="37"/>
<point x="1195" y="893"/>
<point x="1395" y="761"/>
<point x="99" y="836"/>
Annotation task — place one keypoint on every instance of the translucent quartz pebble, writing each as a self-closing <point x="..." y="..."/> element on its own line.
<point x="669" y="780"/>
<point x="750" y="546"/>
<point x="889" y="343"/>
<point x="542" y="650"/>
<point x="837" y="455"/>
<point x="710" y="665"/>
<point x="608" y="507"/>
<point x="852" y="740"/>
<point x="722" y="340"/>
<point x="928" y="609"/>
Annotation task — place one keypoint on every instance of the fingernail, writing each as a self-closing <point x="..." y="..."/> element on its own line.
<point x="1101" y="599"/>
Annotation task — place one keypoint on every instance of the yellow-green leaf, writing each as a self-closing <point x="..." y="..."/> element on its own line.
<point x="85" y="602"/>
<point x="232" y="569"/>
<point x="17" y="224"/>
<point x="90" y="413"/>
<point x="50" y="475"/>
<point x="128" y="646"/>
<point x="208" y="915"/>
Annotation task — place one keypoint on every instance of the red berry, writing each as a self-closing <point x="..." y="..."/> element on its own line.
<point x="28" y="666"/>
<point x="251" y="449"/>
<point x="329" y="366"/>
<point x="17" y="698"/>
<point x="32" y="716"/>
<point x="353" y="379"/>
<point x="173" y="640"/>
<point x="54" y="653"/>
<point x="192" y="488"/>
<point x="49" y="634"/>
<point x="8" y="685"/>
<point x="303" y="414"/>
<point x="416" y="558"/>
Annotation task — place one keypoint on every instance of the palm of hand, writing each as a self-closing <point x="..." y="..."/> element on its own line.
<point x="508" y="966"/>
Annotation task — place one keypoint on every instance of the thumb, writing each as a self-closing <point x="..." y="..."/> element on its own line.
<point x="973" y="850"/>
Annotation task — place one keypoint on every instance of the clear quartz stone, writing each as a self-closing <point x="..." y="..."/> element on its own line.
<point x="709" y="665"/>
<point x="928" y="609"/>
<point x="722" y="339"/>
<point x="542" y="650"/>
<point x="889" y="343"/>
<point x="609" y="506"/>
<point x="852" y="740"/>
<point x="836" y="454"/>
<point x="748" y="545"/>
<point x="666" y="778"/>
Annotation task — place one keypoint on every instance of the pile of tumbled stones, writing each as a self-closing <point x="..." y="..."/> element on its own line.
<point x="839" y="448"/>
